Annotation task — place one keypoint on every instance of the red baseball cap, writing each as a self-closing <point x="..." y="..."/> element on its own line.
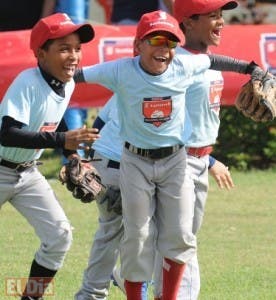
<point x="187" y="8"/>
<point x="158" y="21"/>
<point x="57" y="26"/>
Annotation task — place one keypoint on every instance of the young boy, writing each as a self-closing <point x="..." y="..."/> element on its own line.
<point x="202" y="26"/>
<point x="104" y="251"/>
<point x="31" y="119"/>
<point x="151" y="91"/>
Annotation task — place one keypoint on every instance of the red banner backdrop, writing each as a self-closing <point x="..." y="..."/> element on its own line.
<point x="256" y="42"/>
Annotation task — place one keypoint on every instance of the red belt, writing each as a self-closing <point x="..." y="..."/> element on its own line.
<point x="199" y="152"/>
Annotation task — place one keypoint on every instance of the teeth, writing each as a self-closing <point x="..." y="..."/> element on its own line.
<point x="216" y="32"/>
<point x="70" y="66"/>
<point x="160" y="58"/>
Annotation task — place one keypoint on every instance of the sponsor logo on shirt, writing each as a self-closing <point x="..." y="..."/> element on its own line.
<point x="157" y="110"/>
<point x="268" y="51"/>
<point x="216" y="88"/>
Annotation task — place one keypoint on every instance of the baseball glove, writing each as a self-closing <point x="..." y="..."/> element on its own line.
<point x="257" y="98"/>
<point x="112" y="198"/>
<point x="82" y="179"/>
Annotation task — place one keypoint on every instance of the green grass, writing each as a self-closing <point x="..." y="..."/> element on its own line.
<point x="237" y="243"/>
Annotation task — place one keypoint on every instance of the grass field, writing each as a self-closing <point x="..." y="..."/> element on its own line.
<point x="237" y="243"/>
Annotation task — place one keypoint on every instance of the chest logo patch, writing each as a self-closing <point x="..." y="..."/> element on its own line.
<point x="215" y="94"/>
<point x="157" y="110"/>
<point x="268" y="51"/>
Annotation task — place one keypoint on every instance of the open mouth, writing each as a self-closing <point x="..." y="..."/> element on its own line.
<point x="216" y="32"/>
<point x="160" y="58"/>
<point x="70" y="70"/>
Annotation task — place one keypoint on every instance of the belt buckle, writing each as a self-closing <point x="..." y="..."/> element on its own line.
<point x="197" y="152"/>
<point x="153" y="153"/>
<point x="24" y="166"/>
<point x="161" y="153"/>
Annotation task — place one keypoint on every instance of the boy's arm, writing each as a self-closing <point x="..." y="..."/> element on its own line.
<point x="220" y="173"/>
<point x="256" y="99"/>
<point x="12" y="134"/>
<point x="230" y="64"/>
<point x="78" y="76"/>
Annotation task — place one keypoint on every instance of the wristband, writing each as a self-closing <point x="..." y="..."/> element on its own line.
<point x="212" y="161"/>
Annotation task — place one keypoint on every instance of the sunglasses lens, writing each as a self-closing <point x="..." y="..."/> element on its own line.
<point x="172" y="44"/>
<point x="158" y="41"/>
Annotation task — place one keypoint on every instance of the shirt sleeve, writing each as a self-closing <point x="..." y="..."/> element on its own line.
<point x="105" y="74"/>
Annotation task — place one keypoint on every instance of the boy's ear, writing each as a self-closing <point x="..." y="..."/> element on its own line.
<point x="40" y="53"/>
<point x="136" y="47"/>
<point x="187" y="22"/>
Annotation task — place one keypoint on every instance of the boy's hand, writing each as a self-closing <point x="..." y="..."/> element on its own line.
<point x="74" y="138"/>
<point x="222" y="175"/>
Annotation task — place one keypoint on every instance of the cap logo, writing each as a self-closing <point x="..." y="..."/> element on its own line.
<point x="162" y="20"/>
<point x="67" y="17"/>
<point x="162" y="15"/>
<point x="67" y="20"/>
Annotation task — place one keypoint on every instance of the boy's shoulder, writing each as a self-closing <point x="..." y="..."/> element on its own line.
<point x="183" y="51"/>
<point x="28" y="74"/>
<point x="26" y="80"/>
<point x="124" y="60"/>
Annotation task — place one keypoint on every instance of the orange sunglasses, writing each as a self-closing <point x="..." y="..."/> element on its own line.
<point x="161" y="41"/>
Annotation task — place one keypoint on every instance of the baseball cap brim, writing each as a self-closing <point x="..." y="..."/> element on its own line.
<point x="85" y="32"/>
<point x="229" y="5"/>
<point x="178" y="38"/>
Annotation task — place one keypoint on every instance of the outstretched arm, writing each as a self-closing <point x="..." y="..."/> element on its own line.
<point x="13" y="134"/>
<point x="227" y="63"/>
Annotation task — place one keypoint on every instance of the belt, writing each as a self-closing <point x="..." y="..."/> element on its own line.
<point x="19" y="167"/>
<point x="153" y="153"/>
<point x="110" y="164"/>
<point x="113" y="164"/>
<point x="199" y="152"/>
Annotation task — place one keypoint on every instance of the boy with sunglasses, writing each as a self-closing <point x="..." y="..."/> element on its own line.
<point x="31" y="120"/>
<point x="151" y="91"/>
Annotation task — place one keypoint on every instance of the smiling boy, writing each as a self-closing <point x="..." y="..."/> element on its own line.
<point x="31" y="120"/>
<point x="202" y="23"/>
<point x="151" y="91"/>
